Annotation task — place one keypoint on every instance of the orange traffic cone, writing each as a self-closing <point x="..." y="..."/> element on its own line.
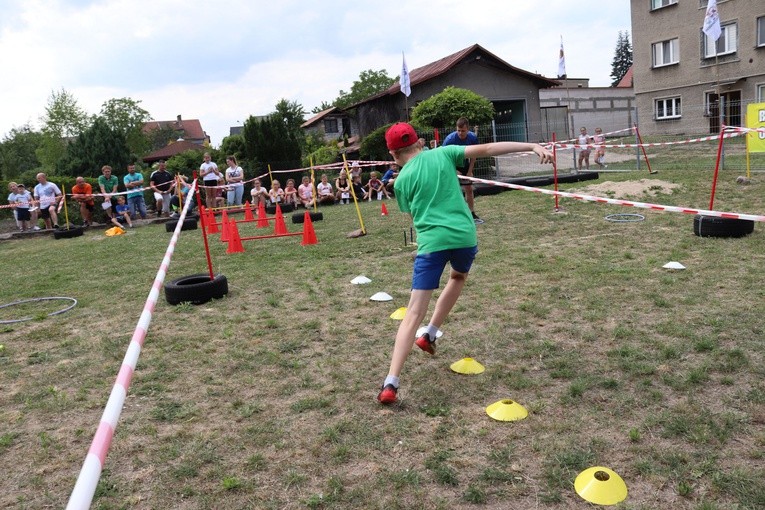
<point x="248" y="212"/>
<point x="279" y="227"/>
<point x="384" y="209"/>
<point x="262" y="221"/>
<point x="212" y="226"/>
<point x="225" y="234"/>
<point x="309" y="236"/>
<point x="234" y="242"/>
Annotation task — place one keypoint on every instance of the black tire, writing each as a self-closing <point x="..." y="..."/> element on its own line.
<point x="196" y="289"/>
<point x="286" y="208"/>
<point x="712" y="226"/>
<point x="63" y="233"/>
<point x="188" y="224"/>
<point x="299" y="217"/>
<point x="271" y="209"/>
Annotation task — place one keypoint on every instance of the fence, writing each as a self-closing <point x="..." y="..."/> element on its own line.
<point x="698" y="154"/>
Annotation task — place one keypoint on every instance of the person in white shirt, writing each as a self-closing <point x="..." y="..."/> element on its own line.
<point x="305" y="193"/>
<point x="324" y="190"/>
<point x="210" y="177"/>
<point x="49" y="196"/>
<point x="235" y="181"/>
<point x="259" y="193"/>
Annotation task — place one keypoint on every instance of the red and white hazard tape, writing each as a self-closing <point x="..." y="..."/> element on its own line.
<point x="85" y="488"/>
<point x="656" y="144"/>
<point x="627" y="203"/>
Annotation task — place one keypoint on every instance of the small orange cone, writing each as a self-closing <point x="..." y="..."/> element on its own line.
<point x="225" y="234"/>
<point x="212" y="226"/>
<point x="384" y="209"/>
<point x="280" y="228"/>
<point x="248" y="212"/>
<point x="309" y="236"/>
<point x="262" y="221"/>
<point x="235" y="241"/>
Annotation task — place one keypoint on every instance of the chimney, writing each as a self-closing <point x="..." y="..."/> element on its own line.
<point x="179" y="123"/>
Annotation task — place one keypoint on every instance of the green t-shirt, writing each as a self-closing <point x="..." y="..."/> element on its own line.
<point x="427" y="188"/>
<point x="108" y="184"/>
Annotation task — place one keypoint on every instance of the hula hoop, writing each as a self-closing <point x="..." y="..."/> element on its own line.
<point x="625" y="218"/>
<point x="34" y="300"/>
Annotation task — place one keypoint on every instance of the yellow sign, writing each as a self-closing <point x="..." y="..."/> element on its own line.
<point x="755" y="119"/>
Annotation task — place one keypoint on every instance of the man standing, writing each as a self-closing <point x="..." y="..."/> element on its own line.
<point x="162" y="183"/>
<point x="134" y="181"/>
<point x="463" y="136"/>
<point x="108" y="184"/>
<point x="82" y="192"/>
<point x="210" y="177"/>
<point x="49" y="196"/>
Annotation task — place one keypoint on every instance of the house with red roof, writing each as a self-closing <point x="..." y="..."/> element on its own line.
<point x="187" y="135"/>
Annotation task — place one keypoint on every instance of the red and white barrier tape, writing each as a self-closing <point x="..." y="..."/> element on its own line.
<point x="656" y="144"/>
<point x="628" y="203"/>
<point x="610" y="133"/>
<point x="85" y="488"/>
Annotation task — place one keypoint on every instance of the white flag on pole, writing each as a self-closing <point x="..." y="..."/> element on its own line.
<point x="712" y="21"/>
<point x="561" y="62"/>
<point x="406" y="87"/>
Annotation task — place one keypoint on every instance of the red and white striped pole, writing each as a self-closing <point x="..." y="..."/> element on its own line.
<point x="85" y="488"/>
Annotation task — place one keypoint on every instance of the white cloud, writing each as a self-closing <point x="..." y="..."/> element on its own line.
<point x="223" y="62"/>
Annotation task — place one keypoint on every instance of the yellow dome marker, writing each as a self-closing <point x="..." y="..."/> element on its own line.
<point x="467" y="366"/>
<point x="601" y="486"/>
<point x="507" y="410"/>
<point x="399" y="314"/>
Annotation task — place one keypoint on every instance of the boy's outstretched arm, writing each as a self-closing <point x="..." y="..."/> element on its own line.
<point x="500" y="148"/>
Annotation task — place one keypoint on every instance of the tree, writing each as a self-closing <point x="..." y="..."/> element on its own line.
<point x="369" y="83"/>
<point x="622" y="58"/>
<point x="291" y="113"/>
<point x="17" y="152"/>
<point x="267" y="142"/>
<point x="97" y="146"/>
<point x="443" y="109"/>
<point x="234" y="144"/>
<point x="126" y="116"/>
<point x="64" y="119"/>
<point x="323" y="106"/>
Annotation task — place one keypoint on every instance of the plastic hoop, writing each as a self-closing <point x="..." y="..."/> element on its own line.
<point x="34" y="300"/>
<point x="625" y="218"/>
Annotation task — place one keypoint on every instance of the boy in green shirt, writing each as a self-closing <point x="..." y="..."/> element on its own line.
<point x="428" y="189"/>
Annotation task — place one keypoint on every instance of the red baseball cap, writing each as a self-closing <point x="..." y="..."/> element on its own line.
<point x="400" y="135"/>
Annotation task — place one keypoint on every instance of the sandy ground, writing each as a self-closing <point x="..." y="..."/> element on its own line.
<point x="643" y="187"/>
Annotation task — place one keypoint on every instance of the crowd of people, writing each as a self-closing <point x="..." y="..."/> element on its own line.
<point x="226" y="188"/>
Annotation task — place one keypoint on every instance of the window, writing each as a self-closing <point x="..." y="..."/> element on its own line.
<point x="330" y="126"/>
<point x="761" y="31"/>
<point x="761" y="93"/>
<point x="658" y="4"/>
<point x="668" y="108"/>
<point x="665" y="53"/>
<point x="726" y="44"/>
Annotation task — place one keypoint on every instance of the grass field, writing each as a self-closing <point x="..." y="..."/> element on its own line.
<point x="266" y="399"/>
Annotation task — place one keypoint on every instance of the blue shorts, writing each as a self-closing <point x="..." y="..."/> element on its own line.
<point x="428" y="267"/>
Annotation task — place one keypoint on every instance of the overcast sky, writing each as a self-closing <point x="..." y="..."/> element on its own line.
<point x="223" y="61"/>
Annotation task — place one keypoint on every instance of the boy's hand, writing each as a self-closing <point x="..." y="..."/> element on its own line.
<point x="545" y="156"/>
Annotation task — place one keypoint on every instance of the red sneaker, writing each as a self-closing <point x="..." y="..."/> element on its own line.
<point x="426" y="344"/>
<point x="387" y="395"/>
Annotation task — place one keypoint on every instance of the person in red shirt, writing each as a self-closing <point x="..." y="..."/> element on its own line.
<point x="82" y="192"/>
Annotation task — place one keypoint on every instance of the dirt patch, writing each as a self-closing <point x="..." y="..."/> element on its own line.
<point x="624" y="189"/>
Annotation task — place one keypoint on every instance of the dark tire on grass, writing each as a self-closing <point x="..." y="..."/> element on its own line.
<point x="196" y="289"/>
<point x="300" y="217"/>
<point x="712" y="226"/>
<point x="63" y="233"/>
<point x="271" y="209"/>
<point x="188" y="224"/>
